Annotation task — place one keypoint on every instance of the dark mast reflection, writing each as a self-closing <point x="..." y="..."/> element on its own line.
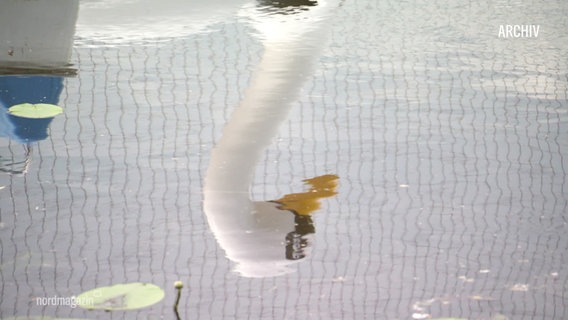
<point x="285" y="6"/>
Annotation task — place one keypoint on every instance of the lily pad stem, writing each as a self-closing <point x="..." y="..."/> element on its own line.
<point x="178" y="285"/>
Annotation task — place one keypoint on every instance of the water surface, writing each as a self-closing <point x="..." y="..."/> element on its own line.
<point x="450" y="145"/>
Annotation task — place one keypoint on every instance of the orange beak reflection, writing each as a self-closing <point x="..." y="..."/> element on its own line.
<point x="305" y="203"/>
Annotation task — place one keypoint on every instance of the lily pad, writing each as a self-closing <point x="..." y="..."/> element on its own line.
<point x="35" y="111"/>
<point x="127" y="296"/>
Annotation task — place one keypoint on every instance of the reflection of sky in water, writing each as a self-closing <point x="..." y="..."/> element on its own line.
<point x="26" y="89"/>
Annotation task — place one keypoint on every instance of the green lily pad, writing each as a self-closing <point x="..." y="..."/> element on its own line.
<point x="35" y="111"/>
<point x="127" y="296"/>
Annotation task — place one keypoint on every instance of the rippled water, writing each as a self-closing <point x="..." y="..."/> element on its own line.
<point x="449" y="145"/>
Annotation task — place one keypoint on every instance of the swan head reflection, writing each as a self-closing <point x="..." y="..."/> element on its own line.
<point x="275" y="234"/>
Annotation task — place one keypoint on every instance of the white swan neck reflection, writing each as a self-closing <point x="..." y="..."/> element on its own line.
<point x="264" y="237"/>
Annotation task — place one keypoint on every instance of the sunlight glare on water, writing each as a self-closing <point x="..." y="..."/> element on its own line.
<point x="123" y="22"/>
